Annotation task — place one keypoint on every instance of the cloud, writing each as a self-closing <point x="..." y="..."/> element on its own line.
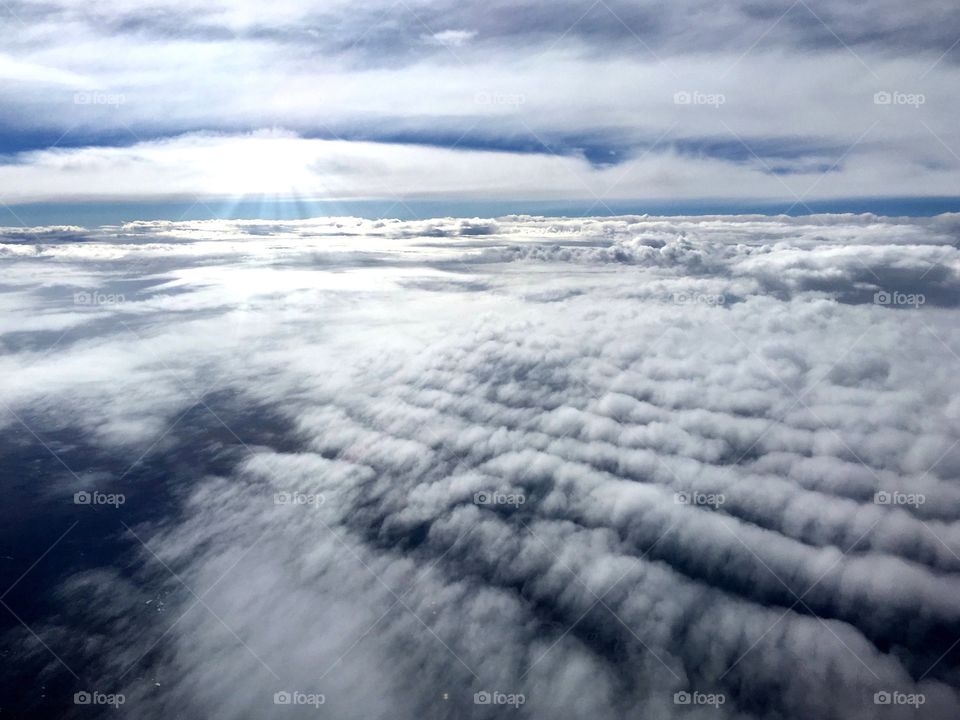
<point x="592" y="462"/>
<point x="453" y="38"/>
<point x="213" y="166"/>
<point x="786" y="95"/>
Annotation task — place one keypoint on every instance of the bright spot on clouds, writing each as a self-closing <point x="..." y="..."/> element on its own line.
<point x="454" y="38"/>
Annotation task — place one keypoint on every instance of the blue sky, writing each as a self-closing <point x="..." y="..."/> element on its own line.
<point x="434" y="99"/>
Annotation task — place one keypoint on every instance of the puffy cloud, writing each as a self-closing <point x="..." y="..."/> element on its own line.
<point x="592" y="462"/>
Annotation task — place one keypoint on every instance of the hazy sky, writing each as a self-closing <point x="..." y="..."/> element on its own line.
<point x="438" y="98"/>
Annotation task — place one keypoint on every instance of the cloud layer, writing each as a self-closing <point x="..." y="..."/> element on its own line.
<point x="809" y="99"/>
<point x="595" y="463"/>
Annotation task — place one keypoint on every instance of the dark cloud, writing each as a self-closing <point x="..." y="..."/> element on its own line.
<point x="383" y="32"/>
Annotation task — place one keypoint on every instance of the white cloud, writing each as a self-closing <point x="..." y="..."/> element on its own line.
<point x="597" y="367"/>
<point x="13" y="70"/>
<point x="798" y="107"/>
<point x="453" y="38"/>
<point x="271" y="163"/>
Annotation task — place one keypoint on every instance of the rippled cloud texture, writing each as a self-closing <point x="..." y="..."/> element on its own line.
<point x="592" y="463"/>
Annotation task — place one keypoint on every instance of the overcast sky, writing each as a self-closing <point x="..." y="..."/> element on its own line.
<point x="438" y="98"/>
